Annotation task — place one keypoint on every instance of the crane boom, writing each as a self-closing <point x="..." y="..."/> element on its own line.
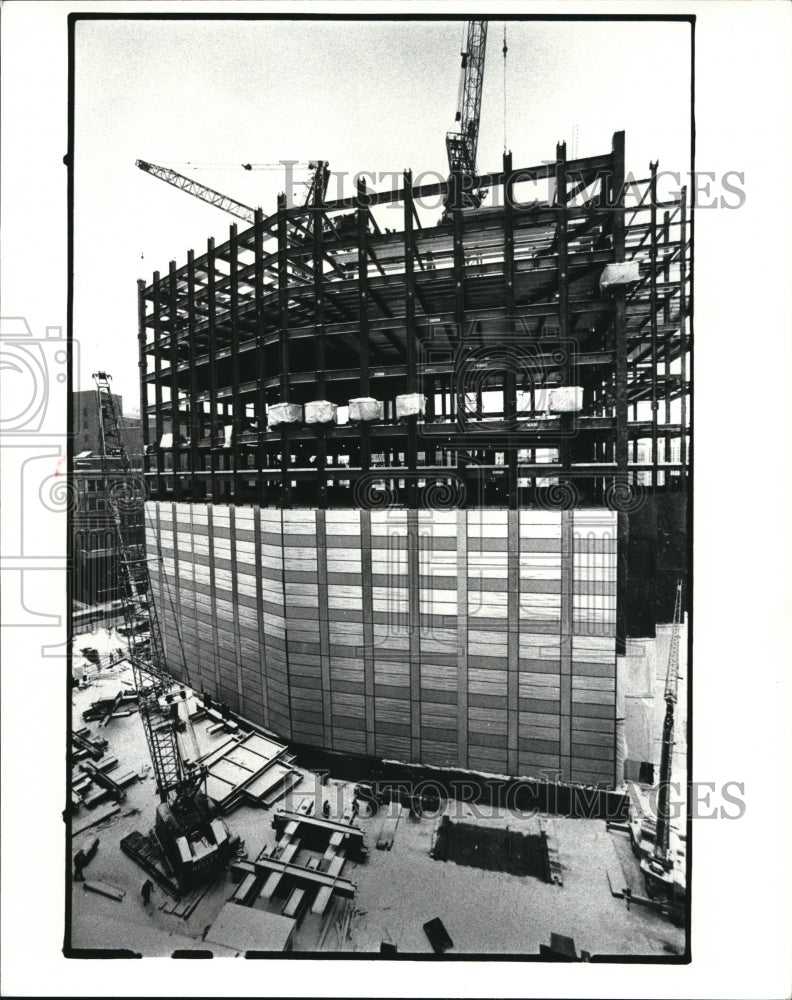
<point x="672" y="674"/>
<point x="320" y="176"/>
<point x="462" y="144"/>
<point x="207" y="194"/>
<point x="194" y="839"/>
<point x="151" y="674"/>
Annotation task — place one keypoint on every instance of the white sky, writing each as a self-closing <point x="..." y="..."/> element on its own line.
<point x="363" y="95"/>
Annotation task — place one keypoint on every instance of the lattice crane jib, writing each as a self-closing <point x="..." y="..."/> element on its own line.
<point x="198" y="190"/>
<point x="155" y="687"/>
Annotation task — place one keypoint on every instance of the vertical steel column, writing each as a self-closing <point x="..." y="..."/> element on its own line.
<point x="363" y="319"/>
<point x="193" y="376"/>
<point x="283" y="346"/>
<point x="564" y="444"/>
<point x="667" y="394"/>
<point x="143" y="372"/>
<point x="261" y="366"/>
<point x="458" y="391"/>
<point x="158" y="428"/>
<point x="211" y="301"/>
<point x="616" y="206"/>
<point x="653" y="309"/>
<point x="682" y="332"/>
<point x="510" y="378"/>
<point x="413" y="383"/>
<point x="237" y="420"/>
<point x="174" y="379"/>
<point x="320" y="353"/>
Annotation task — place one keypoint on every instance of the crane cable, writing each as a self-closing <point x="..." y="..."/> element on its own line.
<point x="505" y="50"/>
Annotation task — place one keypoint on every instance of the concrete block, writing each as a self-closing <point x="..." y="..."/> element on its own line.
<point x="321" y="412"/>
<point x="411" y="404"/>
<point x="615" y="275"/>
<point x="565" y="399"/>
<point x="228" y="432"/>
<point x="364" y="409"/>
<point x="283" y="413"/>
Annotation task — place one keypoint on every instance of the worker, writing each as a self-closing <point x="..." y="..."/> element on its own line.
<point x="355" y="807"/>
<point x="80" y="862"/>
<point x="145" y="892"/>
<point x="326" y="808"/>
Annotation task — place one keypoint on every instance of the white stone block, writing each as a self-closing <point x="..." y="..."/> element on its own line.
<point x="321" y="412"/>
<point x="228" y="433"/>
<point x="365" y="409"/>
<point x="565" y="399"/>
<point x="283" y="413"/>
<point x="626" y="273"/>
<point x="411" y="404"/>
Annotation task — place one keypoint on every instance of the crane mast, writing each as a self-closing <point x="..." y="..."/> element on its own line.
<point x="192" y="836"/>
<point x="151" y="674"/>
<point x="462" y="143"/>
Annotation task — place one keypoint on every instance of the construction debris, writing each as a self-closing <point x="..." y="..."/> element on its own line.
<point x="103" y="889"/>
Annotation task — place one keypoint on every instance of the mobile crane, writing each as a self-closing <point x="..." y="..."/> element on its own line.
<point x="462" y="143"/>
<point x="188" y="831"/>
<point x="660" y="872"/>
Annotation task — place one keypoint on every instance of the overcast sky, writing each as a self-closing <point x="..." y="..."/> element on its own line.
<point x="365" y="95"/>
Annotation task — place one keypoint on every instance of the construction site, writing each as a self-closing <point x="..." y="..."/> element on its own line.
<point x="403" y="666"/>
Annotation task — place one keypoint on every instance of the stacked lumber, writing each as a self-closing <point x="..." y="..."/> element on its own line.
<point x="83" y="746"/>
<point x="103" y="889"/>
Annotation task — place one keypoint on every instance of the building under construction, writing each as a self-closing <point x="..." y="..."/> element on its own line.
<point x="412" y="486"/>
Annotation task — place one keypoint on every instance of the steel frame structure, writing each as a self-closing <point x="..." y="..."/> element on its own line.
<point x="505" y="300"/>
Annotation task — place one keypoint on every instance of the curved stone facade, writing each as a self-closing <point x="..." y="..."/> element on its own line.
<point x="480" y="639"/>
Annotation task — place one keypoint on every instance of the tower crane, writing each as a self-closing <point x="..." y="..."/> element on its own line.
<point x="658" y="867"/>
<point x="320" y="175"/>
<point x="193" y="838"/>
<point x="462" y="143"/>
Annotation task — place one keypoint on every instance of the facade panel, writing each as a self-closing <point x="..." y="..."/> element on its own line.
<point x="483" y="689"/>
